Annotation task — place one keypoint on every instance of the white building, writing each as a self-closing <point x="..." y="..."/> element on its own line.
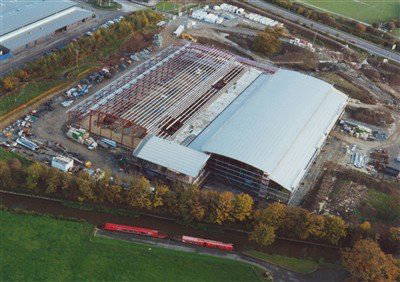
<point x="62" y="163"/>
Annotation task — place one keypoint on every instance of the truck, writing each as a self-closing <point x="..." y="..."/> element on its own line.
<point x="81" y="136"/>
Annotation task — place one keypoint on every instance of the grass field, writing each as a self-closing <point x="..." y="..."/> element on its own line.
<point x="39" y="248"/>
<point x="368" y="11"/>
<point x="299" y="265"/>
<point x="6" y="155"/>
<point x="166" y="6"/>
<point x="386" y="207"/>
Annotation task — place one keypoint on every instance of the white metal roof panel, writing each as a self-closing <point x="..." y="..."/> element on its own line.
<point x="171" y="155"/>
<point x="275" y="125"/>
<point x="15" y="14"/>
<point x="30" y="33"/>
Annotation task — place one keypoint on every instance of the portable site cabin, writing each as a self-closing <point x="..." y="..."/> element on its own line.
<point x="62" y="163"/>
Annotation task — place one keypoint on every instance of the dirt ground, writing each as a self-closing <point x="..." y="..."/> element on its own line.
<point x="50" y="127"/>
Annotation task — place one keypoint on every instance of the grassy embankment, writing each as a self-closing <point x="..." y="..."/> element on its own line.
<point x="368" y="11"/>
<point x="37" y="248"/>
<point x="7" y="155"/>
<point x="295" y="264"/>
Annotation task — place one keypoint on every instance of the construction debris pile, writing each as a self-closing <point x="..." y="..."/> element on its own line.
<point x="356" y="130"/>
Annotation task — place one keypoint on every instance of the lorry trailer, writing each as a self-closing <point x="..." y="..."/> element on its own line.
<point x="134" y="230"/>
<point x="206" y="243"/>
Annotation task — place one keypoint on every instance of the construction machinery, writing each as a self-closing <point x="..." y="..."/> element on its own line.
<point x="187" y="36"/>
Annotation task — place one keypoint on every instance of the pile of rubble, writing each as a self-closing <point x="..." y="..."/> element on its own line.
<point x="356" y="130"/>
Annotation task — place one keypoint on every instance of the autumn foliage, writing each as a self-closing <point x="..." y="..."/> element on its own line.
<point x="187" y="203"/>
<point x="366" y="262"/>
<point x="298" y="223"/>
<point x="267" y="42"/>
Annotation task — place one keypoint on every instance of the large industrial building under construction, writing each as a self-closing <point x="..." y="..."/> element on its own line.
<point x="194" y="111"/>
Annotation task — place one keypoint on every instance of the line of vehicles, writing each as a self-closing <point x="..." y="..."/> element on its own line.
<point x="206" y="243"/>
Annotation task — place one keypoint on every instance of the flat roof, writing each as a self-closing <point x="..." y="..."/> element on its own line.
<point x="24" y="34"/>
<point x="171" y="155"/>
<point x="15" y="14"/>
<point x="276" y="125"/>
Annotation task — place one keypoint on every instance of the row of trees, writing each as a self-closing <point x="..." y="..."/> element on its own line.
<point x="83" y="50"/>
<point x="364" y="261"/>
<point x="297" y="223"/>
<point x="187" y="203"/>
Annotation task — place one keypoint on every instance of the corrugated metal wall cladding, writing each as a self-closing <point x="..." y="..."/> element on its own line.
<point x="172" y="156"/>
<point x="41" y="31"/>
<point x="16" y="14"/>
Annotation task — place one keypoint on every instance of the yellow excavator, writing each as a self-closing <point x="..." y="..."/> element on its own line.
<point x="187" y="36"/>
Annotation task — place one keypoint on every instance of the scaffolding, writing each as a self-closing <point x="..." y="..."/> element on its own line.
<point x="160" y="95"/>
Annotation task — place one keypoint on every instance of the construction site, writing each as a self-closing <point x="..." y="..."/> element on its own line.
<point x="194" y="107"/>
<point x="168" y="110"/>
<point x="161" y="95"/>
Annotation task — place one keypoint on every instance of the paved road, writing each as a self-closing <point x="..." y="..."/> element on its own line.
<point x="60" y="40"/>
<point x="279" y="274"/>
<point x="351" y="39"/>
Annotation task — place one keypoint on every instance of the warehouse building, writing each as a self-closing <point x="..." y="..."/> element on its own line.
<point x="194" y="111"/>
<point x="27" y="23"/>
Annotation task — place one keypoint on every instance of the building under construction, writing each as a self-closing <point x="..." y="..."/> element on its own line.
<point x="193" y="111"/>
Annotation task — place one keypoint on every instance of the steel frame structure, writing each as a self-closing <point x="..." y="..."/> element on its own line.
<point x="160" y="95"/>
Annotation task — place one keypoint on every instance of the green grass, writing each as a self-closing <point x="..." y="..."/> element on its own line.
<point x="298" y="265"/>
<point x="27" y="93"/>
<point x="6" y="155"/>
<point x="166" y="6"/>
<point x="368" y="11"/>
<point x="387" y="207"/>
<point x="39" y="248"/>
<point x="113" y="5"/>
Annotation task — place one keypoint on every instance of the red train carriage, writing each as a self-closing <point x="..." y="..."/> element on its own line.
<point x="207" y="243"/>
<point x="134" y="230"/>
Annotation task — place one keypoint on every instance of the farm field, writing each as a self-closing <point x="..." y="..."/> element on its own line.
<point x="36" y="248"/>
<point x="368" y="11"/>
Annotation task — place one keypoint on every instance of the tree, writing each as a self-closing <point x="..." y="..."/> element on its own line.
<point x="316" y="225"/>
<point x="33" y="176"/>
<point x="23" y="75"/>
<point x="84" y="184"/>
<point x="158" y="195"/>
<point x="263" y="234"/>
<point x="225" y="207"/>
<point x="300" y="10"/>
<point x="267" y="42"/>
<point x="335" y="229"/>
<point x="365" y="227"/>
<point x="391" y="25"/>
<point x="295" y="223"/>
<point x="113" y="193"/>
<point x="6" y="180"/>
<point x="273" y="215"/>
<point x="242" y="207"/>
<point x="361" y="28"/>
<point x="139" y="195"/>
<point x="395" y="234"/>
<point x="9" y="83"/>
<point x="52" y="180"/>
<point x="367" y="262"/>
